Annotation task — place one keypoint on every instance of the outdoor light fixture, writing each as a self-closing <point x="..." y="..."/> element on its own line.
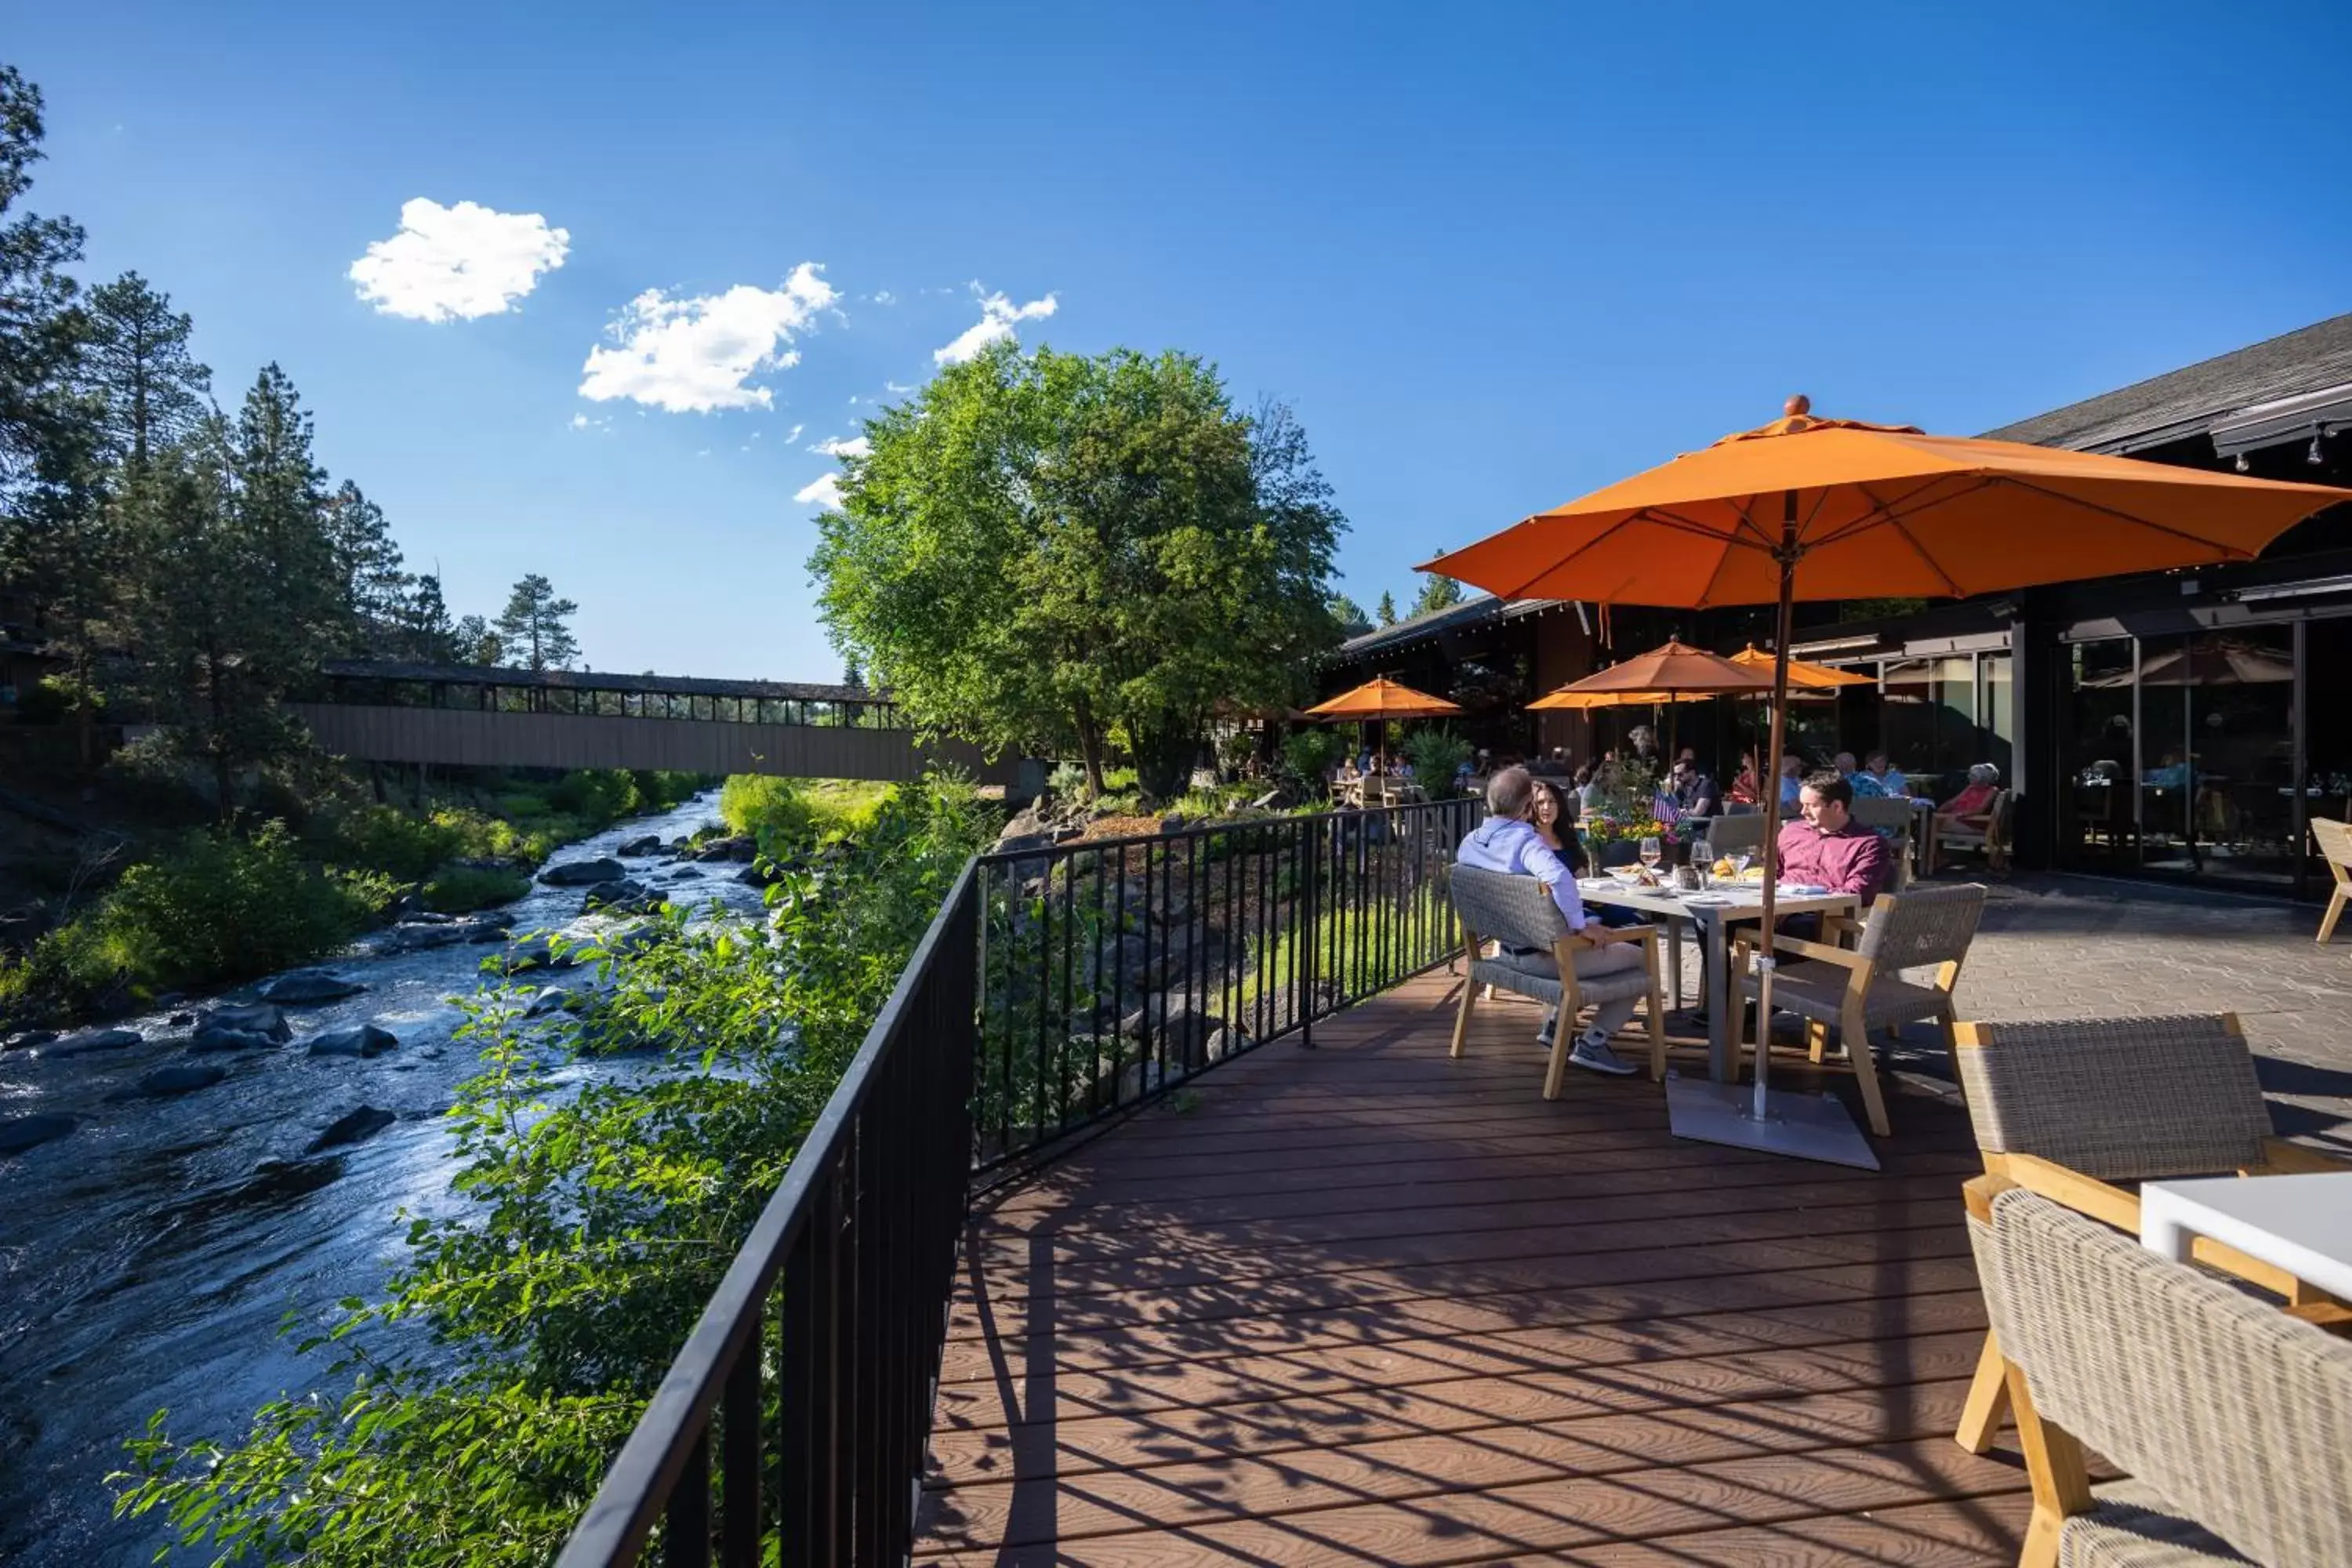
<point x="2244" y="466"/>
<point x="1833" y="644"/>
<point x="2296" y="590"/>
<point x="2318" y="455"/>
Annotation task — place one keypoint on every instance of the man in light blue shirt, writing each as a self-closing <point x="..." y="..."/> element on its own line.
<point x="1508" y="842"/>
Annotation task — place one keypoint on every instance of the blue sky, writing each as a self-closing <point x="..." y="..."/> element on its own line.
<point x="1494" y="256"/>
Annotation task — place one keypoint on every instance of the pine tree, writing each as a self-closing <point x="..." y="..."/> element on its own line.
<point x="533" y="625"/>
<point x="150" y="392"/>
<point x="372" y="586"/>
<point x="281" y="506"/>
<point x="851" y="675"/>
<point x="473" y="642"/>
<point x="43" y="421"/>
<point x="427" y="635"/>
<point x="1387" y="612"/>
<point x="1437" y="594"/>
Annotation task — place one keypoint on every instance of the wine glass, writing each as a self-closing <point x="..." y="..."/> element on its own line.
<point x="1740" y="862"/>
<point x="1702" y="860"/>
<point x="1650" y="853"/>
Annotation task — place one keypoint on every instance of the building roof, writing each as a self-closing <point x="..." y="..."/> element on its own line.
<point x="2181" y="405"/>
<point x="1454" y="617"/>
<point x="597" y="680"/>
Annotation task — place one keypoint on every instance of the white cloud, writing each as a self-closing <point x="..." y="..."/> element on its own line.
<point x="883" y="296"/>
<point x="835" y="447"/>
<point x="694" y="355"/>
<point x="580" y="421"/>
<point x="824" y="492"/>
<point x="897" y="386"/>
<point x="997" y="314"/>
<point x="792" y="435"/>
<point x="455" y="263"/>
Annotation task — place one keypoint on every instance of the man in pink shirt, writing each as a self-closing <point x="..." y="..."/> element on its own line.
<point x="1827" y="848"/>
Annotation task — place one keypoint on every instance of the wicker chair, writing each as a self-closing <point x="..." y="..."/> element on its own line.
<point x="1899" y="817"/>
<point x="1865" y="989"/>
<point x="2070" y="1109"/>
<point x="2230" y="1417"/>
<point x="1993" y="836"/>
<point x="1728" y="834"/>
<point x="1516" y="912"/>
<point x="2335" y="841"/>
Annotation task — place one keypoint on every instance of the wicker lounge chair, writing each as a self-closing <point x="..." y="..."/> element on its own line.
<point x="1865" y="989"/>
<point x="1517" y="913"/>
<point x="1991" y="835"/>
<point x="2231" y="1418"/>
<point x="2070" y="1109"/>
<point x="2335" y="841"/>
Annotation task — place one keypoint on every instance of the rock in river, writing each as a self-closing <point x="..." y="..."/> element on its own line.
<point x="179" y="1080"/>
<point x="18" y="1133"/>
<point x="308" y="987"/>
<point x="90" y="1040"/>
<point x="352" y="1127"/>
<point x="212" y="1037"/>
<point x="538" y="952"/>
<point x="366" y="1040"/>
<point x="583" y="873"/>
<point x="650" y="844"/>
<point x="258" y="1017"/>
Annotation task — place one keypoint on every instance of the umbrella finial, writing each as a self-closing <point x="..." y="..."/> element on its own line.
<point x="1798" y="405"/>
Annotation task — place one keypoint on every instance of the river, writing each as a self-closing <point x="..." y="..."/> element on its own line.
<point x="148" y="1258"/>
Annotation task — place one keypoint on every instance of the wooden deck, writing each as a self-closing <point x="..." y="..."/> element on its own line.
<point x="1364" y="1304"/>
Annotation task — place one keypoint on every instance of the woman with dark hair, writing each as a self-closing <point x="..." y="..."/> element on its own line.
<point x="1555" y="822"/>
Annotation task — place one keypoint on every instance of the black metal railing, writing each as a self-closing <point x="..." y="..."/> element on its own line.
<point x="1114" y="970"/>
<point x="790" y="1430"/>
<point x="1058" y="989"/>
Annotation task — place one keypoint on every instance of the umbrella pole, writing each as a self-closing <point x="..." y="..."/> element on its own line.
<point x="1765" y="961"/>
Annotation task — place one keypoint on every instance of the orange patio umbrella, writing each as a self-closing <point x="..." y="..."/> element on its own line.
<point x="1382" y="698"/>
<point x="1802" y="672"/>
<point x="1838" y="509"/>
<point x="1662" y="676"/>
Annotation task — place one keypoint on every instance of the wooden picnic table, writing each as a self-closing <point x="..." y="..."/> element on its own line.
<point x="1712" y="924"/>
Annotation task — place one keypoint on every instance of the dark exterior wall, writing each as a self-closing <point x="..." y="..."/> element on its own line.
<point x="458" y="738"/>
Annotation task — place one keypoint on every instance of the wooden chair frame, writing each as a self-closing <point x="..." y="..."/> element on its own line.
<point x="1563" y="952"/>
<point x="2334" y="839"/>
<point x="1950" y="833"/>
<point x="1853" y="1030"/>
<point x="1993" y="1393"/>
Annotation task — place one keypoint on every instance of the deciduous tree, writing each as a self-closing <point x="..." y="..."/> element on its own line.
<point x="1047" y="550"/>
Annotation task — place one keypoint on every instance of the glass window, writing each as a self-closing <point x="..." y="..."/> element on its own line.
<point x="2100" y="760"/>
<point x="2217" y="754"/>
<point x="2327" y="776"/>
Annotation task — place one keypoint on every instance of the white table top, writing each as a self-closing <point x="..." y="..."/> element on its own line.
<point x="2302" y="1224"/>
<point x="1747" y="902"/>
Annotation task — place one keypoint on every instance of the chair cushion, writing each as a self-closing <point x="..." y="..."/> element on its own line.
<point x="2133" y="1528"/>
<point x="1535" y="975"/>
<point x="1813" y="989"/>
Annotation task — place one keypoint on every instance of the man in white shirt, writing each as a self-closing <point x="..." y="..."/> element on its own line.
<point x="1508" y="842"/>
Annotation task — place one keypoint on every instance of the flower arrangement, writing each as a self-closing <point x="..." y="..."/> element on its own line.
<point x="1627" y="809"/>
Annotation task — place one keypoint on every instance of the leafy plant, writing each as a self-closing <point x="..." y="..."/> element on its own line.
<point x="456" y="889"/>
<point x="1308" y="754"/>
<point x="591" y="1224"/>
<point x="1435" y="754"/>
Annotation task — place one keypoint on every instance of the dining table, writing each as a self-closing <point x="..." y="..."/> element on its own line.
<point x="2299" y="1224"/>
<point x="1712" y="914"/>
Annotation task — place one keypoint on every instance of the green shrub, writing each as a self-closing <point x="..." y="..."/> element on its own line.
<point x="459" y="890"/>
<point x="1308" y="754"/>
<point x="1068" y="781"/>
<point x="605" y="794"/>
<point x="213" y="909"/>
<point x="769" y="809"/>
<point x="517" y="804"/>
<point x="1436" y="753"/>
<point x="585" y="1231"/>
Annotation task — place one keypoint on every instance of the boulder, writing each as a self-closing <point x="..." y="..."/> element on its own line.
<point x="364" y="1040"/>
<point x="1174" y="822"/>
<point x="212" y="1037"/>
<point x="1228" y="1041"/>
<point x="686" y="874"/>
<point x="549" y="1000"/>
<point x="182" y="1078"/>
<point x="623" y="896"/>
<point x="583" y="873"/>
<point x="353" y="1127"/>
<point x="93" y="1040"/>
<point x="486" y="928"/>
<point x="29" y="1039"/>
<point x="538" y="952"/>
<point x="408" y="938"/>
<point x="308" y="987"/>
<point x="259" y="1018"/>
<point x="650" y="844"/>
<point x="18" y="1133"/>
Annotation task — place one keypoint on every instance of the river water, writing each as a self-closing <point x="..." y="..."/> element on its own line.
<point x="148" y="1258"/>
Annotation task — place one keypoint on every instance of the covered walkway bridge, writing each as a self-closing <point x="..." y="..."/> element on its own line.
<point x="485" y="716"/>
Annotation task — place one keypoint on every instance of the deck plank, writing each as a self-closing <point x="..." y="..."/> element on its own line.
<point x="1366" y="1303"/>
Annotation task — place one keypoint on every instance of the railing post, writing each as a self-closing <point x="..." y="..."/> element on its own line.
<point x="1310" y="929"/>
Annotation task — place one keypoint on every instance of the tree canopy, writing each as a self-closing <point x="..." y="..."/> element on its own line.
<point x="1049" y="549"/>
<point x="535" y="625"/>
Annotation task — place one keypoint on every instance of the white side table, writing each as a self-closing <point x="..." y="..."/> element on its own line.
<point x="2300" y="1224"/>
